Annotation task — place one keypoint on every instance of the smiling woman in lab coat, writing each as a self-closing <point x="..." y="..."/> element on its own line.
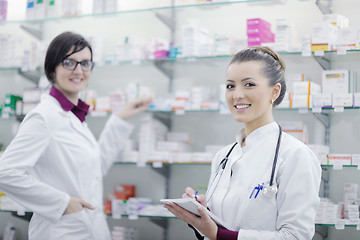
<point x="54" y="165"/>
<point x="236" y="193"/>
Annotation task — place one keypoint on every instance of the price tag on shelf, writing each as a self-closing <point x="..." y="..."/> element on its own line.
<point x="303" y="110"/>
<point x="358" y="227"/>
<point x="358" y="167"/>
<point x="157" y="164"/>
<point x="136" y="62"/>
<point x="317" y="110"/>
<point x="133" y="217"/>
<point x="319" y="53"/>
<point x="20" y="212"/>
<point x="341" y="52"/>
<point x="337" y="166"/>
<point x="339" y="226"/>
<point x="141" y="164"/>
<point x="306" y="53"/>
<point x="180" y="112"/>
<point x="338" y="109"/>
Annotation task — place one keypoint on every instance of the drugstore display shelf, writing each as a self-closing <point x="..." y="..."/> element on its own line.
<point x="333" y="225"/>
<point x="208" y="163"/>
<point x="143" y="10"/>
<point x="347" y="166"/>
<point x="310" y="109"/>
<point x="126" y="216"/>
<point x="143" y="216"/>
<point x="174" y="60"/>
<point x="167" y="163"/>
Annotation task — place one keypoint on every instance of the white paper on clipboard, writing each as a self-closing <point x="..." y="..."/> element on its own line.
<point x="192" y="205"/>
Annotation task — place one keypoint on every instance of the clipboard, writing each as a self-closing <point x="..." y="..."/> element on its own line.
<point x="192" y="205"/>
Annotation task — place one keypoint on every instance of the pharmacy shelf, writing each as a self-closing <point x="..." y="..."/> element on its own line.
<point x="333" y="225"/>
<point x="209" y="163"/>
<point x="347" y="166"/>
<point x="144" y="10"/>
<point x="182" y="112"/>
<point x="177" y="60"/>
<point x="165" y="163"/>
<point x="143" y="216"/>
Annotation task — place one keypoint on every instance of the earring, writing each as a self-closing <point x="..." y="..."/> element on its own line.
<point x="272" y="101"/>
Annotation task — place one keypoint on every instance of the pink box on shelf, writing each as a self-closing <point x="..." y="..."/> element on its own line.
<point x="256" y="41"/>
<point x="255" y="32"/>
<point x="258" y="23"/>
<point x="161" y="54"/>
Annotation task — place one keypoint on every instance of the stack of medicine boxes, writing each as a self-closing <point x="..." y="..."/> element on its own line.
<point x="259" y="31"/>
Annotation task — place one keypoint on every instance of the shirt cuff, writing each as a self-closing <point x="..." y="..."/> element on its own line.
<point x="225" y="234"/>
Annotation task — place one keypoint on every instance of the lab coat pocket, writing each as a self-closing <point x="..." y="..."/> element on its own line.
<point x="261" y="206"/>
<point x="72" y="226"/>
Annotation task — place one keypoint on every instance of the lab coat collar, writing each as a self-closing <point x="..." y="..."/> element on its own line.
<point x="257" y="135"/>
<point x="77" y="125"/>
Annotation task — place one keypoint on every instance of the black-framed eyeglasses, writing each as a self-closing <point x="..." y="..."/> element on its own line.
<point x="71" y="64"/>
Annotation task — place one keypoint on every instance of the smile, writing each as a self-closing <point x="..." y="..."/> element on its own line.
<point x="76" y="80"/>
<point x="243" y="106"/>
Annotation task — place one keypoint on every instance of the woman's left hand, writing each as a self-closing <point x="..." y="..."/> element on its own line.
<point x="204" y="223"/>
<point x="134" y="107"/>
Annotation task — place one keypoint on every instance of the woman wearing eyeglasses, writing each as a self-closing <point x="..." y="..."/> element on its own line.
<point x="54" y="166"/>
<point x="265" y="185"/>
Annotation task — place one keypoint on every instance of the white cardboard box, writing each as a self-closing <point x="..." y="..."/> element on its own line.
<point x="336" y="81"/>
<point x="343" y="100"/>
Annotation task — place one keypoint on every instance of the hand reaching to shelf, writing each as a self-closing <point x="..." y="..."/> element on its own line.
<point x="76" y="205"/>
<point x="134" y="107"/>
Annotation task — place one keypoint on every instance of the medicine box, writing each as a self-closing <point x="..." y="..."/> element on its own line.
<point x="355" y="159"/>
<point x="342" y="100"/>
<point x="306" y="87"/>
<point x="336" y="81"/>
<point x="356" y="99"/>
<point x="323" y="100"/>
<point x="339" y="159"/>
<point x="258" y="23"/>
<point x="301" y="101"/>
<point x="336" y="20"/>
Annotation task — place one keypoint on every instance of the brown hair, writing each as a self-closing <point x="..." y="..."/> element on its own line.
<point x="274" y="66"/>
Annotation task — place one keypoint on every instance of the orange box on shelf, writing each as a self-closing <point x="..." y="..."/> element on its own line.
<point x="128" y="190"/>
<point x="107" y="207"/>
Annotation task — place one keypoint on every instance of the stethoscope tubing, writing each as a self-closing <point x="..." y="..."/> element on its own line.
<point x="223" y="164"/>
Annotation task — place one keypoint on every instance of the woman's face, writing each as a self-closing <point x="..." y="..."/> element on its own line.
<point x="249" y="94"/>
<point x="71" y="82"/>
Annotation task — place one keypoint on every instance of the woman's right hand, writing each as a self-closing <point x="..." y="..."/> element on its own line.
<point x="76" y="205"/>
<point x="190" y="193"/>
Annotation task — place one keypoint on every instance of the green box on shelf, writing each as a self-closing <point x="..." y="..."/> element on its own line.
<point x="10" y="104"/>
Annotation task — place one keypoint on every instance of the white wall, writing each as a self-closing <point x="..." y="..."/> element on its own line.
<point x="206" y="128"/>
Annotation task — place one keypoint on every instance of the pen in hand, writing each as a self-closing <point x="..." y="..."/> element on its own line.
<point x="196" y="193"/>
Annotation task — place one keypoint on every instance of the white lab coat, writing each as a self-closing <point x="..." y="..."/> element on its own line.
<point x="290" y="214"/>
<point x="54" y="156"/>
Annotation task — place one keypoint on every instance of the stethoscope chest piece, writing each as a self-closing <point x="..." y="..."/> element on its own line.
<point x="269" y="191"/>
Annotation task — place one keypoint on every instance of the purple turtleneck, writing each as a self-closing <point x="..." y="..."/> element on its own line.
<point x="80" y="110"/>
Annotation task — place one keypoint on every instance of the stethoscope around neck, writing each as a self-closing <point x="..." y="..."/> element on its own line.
<point x="268" y="190"/>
